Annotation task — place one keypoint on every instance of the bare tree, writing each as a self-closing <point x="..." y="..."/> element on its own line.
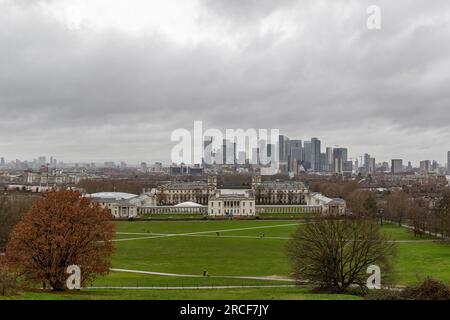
<point x="397" y="206"/>
<point x="335" y="253"/>
<point x="442" y="213"/>
<point x="362" y="202"/>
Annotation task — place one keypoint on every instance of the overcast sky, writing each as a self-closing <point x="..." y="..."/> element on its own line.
<point x="98" y="80"/>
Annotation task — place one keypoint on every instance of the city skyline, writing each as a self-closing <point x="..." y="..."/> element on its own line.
<point x="366" y="161"/>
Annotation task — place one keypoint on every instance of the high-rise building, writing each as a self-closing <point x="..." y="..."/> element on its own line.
<point x="207" y="158"/>
<point x="242" y="157"/>
<point x="294" y="152"/>
<point x="230" y="152"/>
<point x="366" y="162"/>
<point x="347" y="166"/>
<point x="448" y="162"/>
<point x="323" y="162"/>
<point x="434" y="166"/>
<point x="224" y="151"/>
<point x="282" y="147"/>
<point x="315" y="154"/>
<point x="2" y="162"/>
<point x="425" y="166"/>
<point x="409" y="167"/>
<point x="329" y="159"/>
<point x="397" y="166"/>
<point x="372" y="166"/>
<point x="307" y="150"/>
<point x="338" y="160"/>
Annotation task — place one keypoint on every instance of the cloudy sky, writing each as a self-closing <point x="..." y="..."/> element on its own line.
<point x="97" y="80"/>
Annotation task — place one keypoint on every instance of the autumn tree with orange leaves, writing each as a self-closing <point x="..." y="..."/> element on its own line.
<point x="62" y="229"/>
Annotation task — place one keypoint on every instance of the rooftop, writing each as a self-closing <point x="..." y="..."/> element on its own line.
<point x="113" y="195"/>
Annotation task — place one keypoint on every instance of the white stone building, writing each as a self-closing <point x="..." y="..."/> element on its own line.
<point x="119" y="203"/>
<point x="233" y="202"/>
<point x="330" y="206"/>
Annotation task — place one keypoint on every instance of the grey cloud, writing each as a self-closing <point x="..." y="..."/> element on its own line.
<point x="85" y="94"/>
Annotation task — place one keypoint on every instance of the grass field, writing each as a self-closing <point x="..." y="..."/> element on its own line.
<point x="235" y="254"/>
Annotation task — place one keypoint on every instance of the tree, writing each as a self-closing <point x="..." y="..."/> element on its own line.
<point x="397" y="205"/>
<point x="62" y="229"/>
<point x="336" y="253"/>
<point x="443" y="215"/>
<point x="418" y="216"/>
<point x="11" y="211"/>
<point x="362" y="202"/>
<point x="8" y="279"/>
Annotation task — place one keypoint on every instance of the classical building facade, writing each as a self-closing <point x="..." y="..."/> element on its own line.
<point x="202" y="197"/>
<point x="279" y="192"/>
<point x="177" y="192"/>
<point x="232" y="202"/>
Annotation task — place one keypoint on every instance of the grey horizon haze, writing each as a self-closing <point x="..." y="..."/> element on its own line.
<point x="105" y="80"/>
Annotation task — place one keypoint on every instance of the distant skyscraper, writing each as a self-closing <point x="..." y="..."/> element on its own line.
<point x="315" y="154"/>
<point x="329" y="157"/>
<point x="425" y="166"/>
<point x="448" y="162"/>
<point x="366" y="162"/>
<point x="347" y="166"/>
<point x="372" y="166"/>
<point x="409" y="167"/>
<point x="434" y="166"/>
<point x="323" y="162"/>
<point x="282" y="147"/>
<point x="207" y="150"/>
<point x="339" y="159"/>
<point x="294" y="152"/>
<point x="224" y="151"/>
<point x="230" y="152"/>
<point x="307" y="150"/>
<point x="2" y="161"/>
<point x="397" y="166"/>
<point x="242" y="157"/>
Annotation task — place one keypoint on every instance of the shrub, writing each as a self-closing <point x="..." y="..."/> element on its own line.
<point x="383" y="294"/>
<point x="429" y="289"/>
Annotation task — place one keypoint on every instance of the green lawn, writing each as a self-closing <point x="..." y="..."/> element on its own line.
<point x="202" y="294"/>
<point x="246" y="248"/>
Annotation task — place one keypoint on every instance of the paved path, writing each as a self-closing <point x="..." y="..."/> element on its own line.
<point x="406" y="226"/>
<point x="268" y="278"/>
<point x="239" y="237"/>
